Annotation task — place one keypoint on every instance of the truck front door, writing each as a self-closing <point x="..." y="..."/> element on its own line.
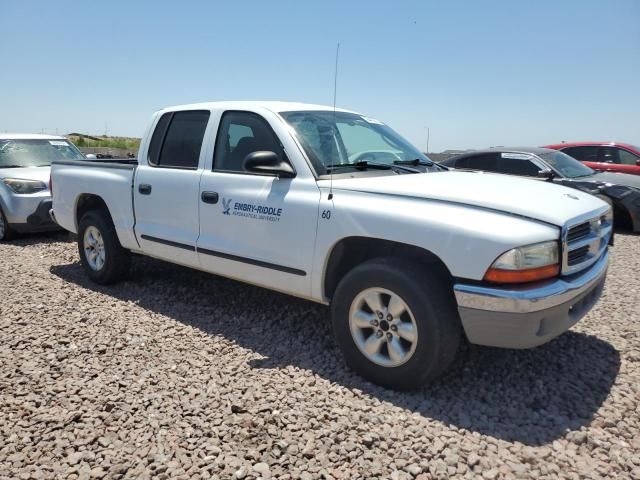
<point x="257" y="228"/>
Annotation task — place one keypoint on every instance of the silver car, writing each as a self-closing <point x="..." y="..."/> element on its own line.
<point x="25" y="165"/>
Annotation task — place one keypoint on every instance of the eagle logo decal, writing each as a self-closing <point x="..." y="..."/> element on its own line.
<point x="226" y="206"/>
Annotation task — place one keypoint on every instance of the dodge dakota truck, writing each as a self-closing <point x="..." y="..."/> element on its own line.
<point x="335" y="207"/>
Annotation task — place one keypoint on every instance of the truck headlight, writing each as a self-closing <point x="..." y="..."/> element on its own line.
<point x="19" y="185"/>
<point x="526" y="264"/>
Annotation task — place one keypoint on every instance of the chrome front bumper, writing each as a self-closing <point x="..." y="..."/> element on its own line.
<point x="524" y="317"/>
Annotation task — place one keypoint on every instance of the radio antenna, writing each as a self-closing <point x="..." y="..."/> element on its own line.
<point x="428" y="132"/>
<point x="335" y="91"/>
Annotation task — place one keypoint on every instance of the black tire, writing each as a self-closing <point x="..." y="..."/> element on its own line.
<point x="6" y="233"/>
<point x="430" y="299"/>
<point x="117" y="259"/>
<point x="622" y="220"/>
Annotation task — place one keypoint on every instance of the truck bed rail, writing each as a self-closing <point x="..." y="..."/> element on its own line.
<point x="124" y="163"/>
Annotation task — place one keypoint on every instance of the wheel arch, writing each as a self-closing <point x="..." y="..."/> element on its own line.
<point x="622" y="218"/>
<point x="349" y="252"/>
<point x="89" y="201"/>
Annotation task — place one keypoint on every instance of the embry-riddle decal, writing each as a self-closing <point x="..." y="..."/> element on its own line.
<point x="250" y="210"/>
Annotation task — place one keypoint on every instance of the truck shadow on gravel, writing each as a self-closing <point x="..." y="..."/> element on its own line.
<point x="531" y="396"/>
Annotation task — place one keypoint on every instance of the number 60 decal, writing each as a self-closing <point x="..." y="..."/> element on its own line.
<point x="326" y="214"/>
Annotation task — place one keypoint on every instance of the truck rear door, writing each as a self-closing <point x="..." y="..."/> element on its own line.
<point x="257" y="228"/>
<point x="166" y="187"/>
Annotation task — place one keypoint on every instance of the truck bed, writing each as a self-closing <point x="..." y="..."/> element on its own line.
<point x="111" y="180"/>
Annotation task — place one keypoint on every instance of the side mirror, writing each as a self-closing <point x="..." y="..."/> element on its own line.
<point x="90" y="156"/>
<point x="547" y="174"/>
<point x="269" y="163"/>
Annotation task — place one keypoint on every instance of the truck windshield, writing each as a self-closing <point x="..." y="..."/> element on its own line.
<point x="36" y="153"/>
<point x="568" y="166"/>
<point x="333" y="139"/>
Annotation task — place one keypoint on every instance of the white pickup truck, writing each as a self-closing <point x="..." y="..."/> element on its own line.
<point x="335" y="207"/>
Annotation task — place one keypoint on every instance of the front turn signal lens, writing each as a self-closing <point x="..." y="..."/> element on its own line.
<point x="497" y="275"/>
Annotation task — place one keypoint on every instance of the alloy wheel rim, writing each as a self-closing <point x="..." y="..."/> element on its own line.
<point x="383" y="327"/>
<point x="93" y="244"/>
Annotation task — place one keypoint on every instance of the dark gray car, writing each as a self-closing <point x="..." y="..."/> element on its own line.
<point x="622" y="191"/>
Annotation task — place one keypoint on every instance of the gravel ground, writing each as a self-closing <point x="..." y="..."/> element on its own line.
<point x="176" y="373"/>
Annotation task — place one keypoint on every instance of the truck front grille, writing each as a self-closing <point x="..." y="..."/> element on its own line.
<point x="578" y="255"/>
<point x="584" y="241"/>
<point x="579" y="231"/>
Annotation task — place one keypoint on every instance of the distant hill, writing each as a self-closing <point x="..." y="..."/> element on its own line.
<point x="102" y="141"/>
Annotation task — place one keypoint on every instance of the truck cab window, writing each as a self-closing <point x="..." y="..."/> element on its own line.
<point x="239" y="134"/>
<point x="487" y="162"/>
<point x="627" y="158"/>
<point x="177" y="140"/>
<point x="519" y="167"/>
<point x="608" y="155"/>
<point x="584" y="154"/>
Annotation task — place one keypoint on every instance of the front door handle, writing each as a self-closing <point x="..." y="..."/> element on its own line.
<point x="209" y="197"/>
<point x="144" y="189"/>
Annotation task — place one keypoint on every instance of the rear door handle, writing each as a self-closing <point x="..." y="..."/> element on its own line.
<point x="144" y="189"/>
<point x="209" y="197"/>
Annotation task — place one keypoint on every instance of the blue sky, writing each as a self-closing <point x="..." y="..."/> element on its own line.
<point x="477" y="73"/>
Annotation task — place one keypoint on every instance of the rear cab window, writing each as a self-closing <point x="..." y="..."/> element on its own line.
<point x="177" y="139"/>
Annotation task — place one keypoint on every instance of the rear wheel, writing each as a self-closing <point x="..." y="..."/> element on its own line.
<point x="396" y="323"/>
<point x="6" y="232"/>
<point x="101" y="254"/>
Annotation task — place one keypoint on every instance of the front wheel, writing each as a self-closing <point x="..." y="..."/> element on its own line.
<point x="6" y="232"/>
<point x="101" y="254"/>
<point x="396" y="323"/>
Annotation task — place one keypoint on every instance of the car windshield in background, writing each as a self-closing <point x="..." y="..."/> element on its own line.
<point x="333" y="139"/>
<point x="567" y="166"/>
<point x="36" y="153"/>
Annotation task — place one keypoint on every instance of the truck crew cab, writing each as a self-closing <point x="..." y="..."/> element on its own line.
<point x="335" y="207"/>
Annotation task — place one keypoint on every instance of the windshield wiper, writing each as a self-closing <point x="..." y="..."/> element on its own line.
<point x="12" y="166"/>
<point x="415" y="162"/>
<point x="364" y="164"/>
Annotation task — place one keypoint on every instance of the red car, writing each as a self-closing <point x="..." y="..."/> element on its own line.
<point x="606" y="157"/>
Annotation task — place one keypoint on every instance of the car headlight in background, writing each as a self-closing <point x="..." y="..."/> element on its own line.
<point x="19" y="185"/>
<point x="526" y="264"/>
<point x="608" y="217"/>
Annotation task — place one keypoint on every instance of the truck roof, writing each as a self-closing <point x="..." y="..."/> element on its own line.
<point x="274" y="106"/>
<point x="29" y="136"/>
<point x="533" y="150"/>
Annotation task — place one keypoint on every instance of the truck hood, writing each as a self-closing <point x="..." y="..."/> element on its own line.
<point x="535" y="199"/>
<point x="27" y="173"/>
